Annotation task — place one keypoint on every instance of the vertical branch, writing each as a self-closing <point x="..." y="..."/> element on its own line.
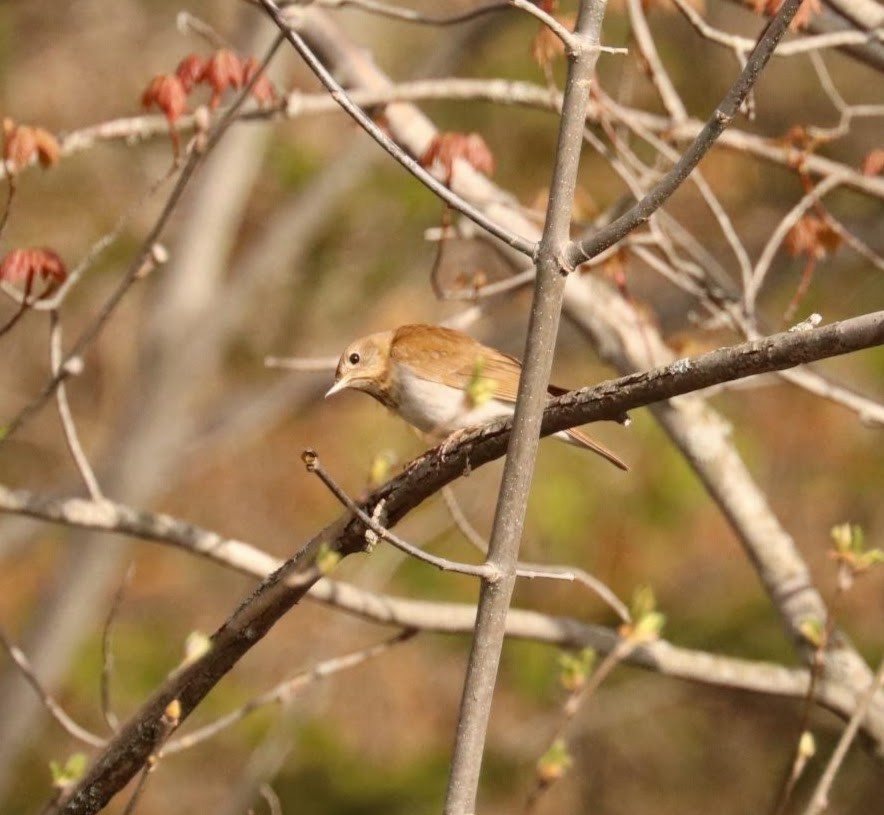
<point x="542" y="330"/>
<point x="64" y="410"/>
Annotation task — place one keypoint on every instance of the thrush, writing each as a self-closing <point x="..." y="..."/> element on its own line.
<point x="441" y="381"/>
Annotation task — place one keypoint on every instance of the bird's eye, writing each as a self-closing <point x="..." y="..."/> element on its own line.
<point x="354" y="358"/>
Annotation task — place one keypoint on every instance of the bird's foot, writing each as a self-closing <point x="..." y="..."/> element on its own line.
<point x="451" y="441"/>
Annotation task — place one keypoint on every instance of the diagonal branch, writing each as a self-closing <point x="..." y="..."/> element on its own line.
<point x="365" y="121"/>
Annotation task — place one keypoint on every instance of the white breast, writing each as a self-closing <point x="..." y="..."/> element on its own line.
<point x="440" y="409"/>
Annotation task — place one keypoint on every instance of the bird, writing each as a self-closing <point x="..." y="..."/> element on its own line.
<point x="441" y="381"/>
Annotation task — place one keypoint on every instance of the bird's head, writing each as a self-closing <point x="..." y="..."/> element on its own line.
<point x="365" y="366"/>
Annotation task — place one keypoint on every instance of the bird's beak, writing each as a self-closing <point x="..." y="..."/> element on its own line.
<point x="340" y="385"/>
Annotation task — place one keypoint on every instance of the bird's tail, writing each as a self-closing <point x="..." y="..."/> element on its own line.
<point x="582" y="440"/>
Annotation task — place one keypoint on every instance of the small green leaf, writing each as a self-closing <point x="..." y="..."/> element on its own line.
<point x="647" y="622"/>
<point x="643" y="601"/>
<point x="480" y="388"/>
<point x="575" y="668"/>
<point x="327" y="558"/>
<point x="196" y="644"/>
<point x="850" y="549"/>
<point x="554" y="763"/>
<point x="381" y="467"/>
<point x="847" y="538"/>
<point x="649" y="627"/>
<point x="813" y="630"/>
<point x="70" y="773"/>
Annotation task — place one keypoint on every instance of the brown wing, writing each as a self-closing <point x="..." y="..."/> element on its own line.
<point x="455" y="359"/>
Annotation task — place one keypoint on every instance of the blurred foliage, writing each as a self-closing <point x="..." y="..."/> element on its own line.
<point x="334" y="779"/>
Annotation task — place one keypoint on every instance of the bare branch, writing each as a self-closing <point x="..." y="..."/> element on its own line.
<point x="485" y="571"/>
<point x="820" y="800"/>
<point x="55" y="709"/>
<point x="64" y="409"/>
<point x="282" y="693"/>
<point x="365" y="121"/>
<point x="546" y="306"/>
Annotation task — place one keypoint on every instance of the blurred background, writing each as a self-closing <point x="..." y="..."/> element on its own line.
<point x="298" y="236"/>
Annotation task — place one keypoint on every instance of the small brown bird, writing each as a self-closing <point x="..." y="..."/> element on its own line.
<point x="441" y="381"/>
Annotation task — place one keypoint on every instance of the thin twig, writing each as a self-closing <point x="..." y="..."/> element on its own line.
<point x="88" y="261"/>
<point x="762" y="267"/>
<point x="55" y="710"/>
<point x="525" y="569"/>
<point x="509" y="518"/>
<point x="662" y="82"/>
<point x="535" y="570"/>
<point x="272" y="799"/>
<point x="461" y="521"/>
<point x="24" y="303"/>
<point x="820" y="800"/>
<point x="575" y="703"/>
<point x="485" y="570"/>
<point x="189" y="23"/>
<point x="412" y="15"/>
<point x="869" y="411"/>
<point x="800" y="757"/>
<point x="364" y="120"/>
<point x="580" y="251"/>
<point x="107" y="654"/>
<point x="282" y="693"/>
<point x="64" y="410"/>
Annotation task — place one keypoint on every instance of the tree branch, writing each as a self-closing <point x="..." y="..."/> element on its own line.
<point x="543" y="326"/>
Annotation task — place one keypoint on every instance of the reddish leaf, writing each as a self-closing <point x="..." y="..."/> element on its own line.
<point x="873" y="163"/>
<point x="798" y="137"/>
<point x="189" y="71"/>
<point x="546" y="45"/>
<point x="806" y="11"/>
<point x="813" y="237"/>
<point x="263" y="89"/>
<point x="25" y="264"/>
<point x="448" y="147"/>
<point x="23" y="143"/>
<point x="19" y="144"/>
<point x="167" y="92"/>
<point x="222" y="70"/>
<point x="48" y="148"/>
